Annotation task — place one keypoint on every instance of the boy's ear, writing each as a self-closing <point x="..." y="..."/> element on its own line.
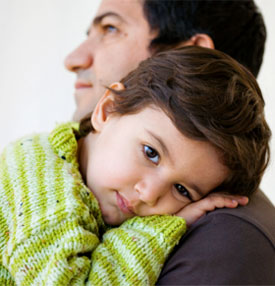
<point x="103" y="109"/>
<point x="202" y="40"/>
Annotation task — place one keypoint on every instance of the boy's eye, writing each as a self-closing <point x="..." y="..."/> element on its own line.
<point x="183" y="191"/>
<point x="151" y="154"/>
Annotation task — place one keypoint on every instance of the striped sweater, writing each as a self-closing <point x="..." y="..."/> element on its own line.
<point x="51" y="228"/>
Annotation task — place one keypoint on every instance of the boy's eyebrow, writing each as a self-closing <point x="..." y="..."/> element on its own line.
<point x="161" y="143"/>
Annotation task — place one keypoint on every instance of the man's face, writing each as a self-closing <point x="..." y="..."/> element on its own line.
<point x="118" y="40"/>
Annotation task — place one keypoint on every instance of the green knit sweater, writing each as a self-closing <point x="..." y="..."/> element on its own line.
<point x="51" y="228"/>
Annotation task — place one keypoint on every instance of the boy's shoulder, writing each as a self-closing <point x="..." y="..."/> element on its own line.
<point x="37" y="148"/>
<point x="25" y="148"/>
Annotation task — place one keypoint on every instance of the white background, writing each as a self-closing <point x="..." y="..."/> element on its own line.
<point x="35" y="90"/>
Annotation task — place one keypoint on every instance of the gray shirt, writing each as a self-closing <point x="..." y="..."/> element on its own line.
<point x="227" y="247"/>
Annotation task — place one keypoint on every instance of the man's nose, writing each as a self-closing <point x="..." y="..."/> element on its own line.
<point x="80" y="58"/>
<point x="150" y="190"/>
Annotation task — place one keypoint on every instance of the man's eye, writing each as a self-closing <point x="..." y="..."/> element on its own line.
<point x="183" y="191"/>
<point x="151" y="154"/>
<point x="109" y="29"/>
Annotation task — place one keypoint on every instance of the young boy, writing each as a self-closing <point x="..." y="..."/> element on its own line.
<point x="183" y="124"/>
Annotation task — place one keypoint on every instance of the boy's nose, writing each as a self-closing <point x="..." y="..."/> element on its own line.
<point x="150" y="191"/>
<point x="80" y="58"/>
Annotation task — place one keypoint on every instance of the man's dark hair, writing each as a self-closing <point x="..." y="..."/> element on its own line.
<point x="235" y="26"/>
<point x="209" y="97"/>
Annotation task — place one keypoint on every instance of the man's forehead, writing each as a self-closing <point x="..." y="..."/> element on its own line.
<point x="131" y="9"/>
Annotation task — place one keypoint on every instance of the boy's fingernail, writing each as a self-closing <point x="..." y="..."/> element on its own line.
<point x="244" y="200"/>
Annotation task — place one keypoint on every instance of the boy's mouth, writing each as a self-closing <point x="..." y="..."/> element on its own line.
<point x="124" y="205"/>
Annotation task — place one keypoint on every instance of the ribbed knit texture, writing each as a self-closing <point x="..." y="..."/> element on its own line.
<point x="51" y="225"/>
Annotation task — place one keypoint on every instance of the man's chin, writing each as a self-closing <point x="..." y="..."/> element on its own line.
<point x="80" y="114"/>
<point x="76" y="116"/>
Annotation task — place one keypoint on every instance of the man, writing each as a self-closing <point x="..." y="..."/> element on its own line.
<point x="225" y="246"/>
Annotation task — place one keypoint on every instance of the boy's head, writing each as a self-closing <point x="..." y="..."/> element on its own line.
<point x="211" y="100"/>
<point x="124" y="33"/>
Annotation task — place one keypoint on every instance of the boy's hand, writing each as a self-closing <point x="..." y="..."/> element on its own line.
<point x="195" y="210"/>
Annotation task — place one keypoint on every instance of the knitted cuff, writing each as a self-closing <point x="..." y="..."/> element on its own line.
<point x="168" y="228"/>
<point x="134" y="253"/>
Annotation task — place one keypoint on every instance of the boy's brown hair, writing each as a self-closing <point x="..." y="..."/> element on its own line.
<point x="209" y="97"/>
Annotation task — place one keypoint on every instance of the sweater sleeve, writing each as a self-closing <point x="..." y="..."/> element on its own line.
<point x="49" y="221"/>
<point x="134" y="253"/>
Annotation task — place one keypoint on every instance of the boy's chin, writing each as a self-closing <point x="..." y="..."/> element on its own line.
<point x="114" y="220"/>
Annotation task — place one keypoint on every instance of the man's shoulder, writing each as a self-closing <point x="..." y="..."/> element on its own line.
<point x="226" y="246"/>
<point x="259" y="214"/>
<point x="256" y="217"/>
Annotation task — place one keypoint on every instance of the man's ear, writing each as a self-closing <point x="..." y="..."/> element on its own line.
<point x="202" y="40"/>
<point x="103" y="109"/>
